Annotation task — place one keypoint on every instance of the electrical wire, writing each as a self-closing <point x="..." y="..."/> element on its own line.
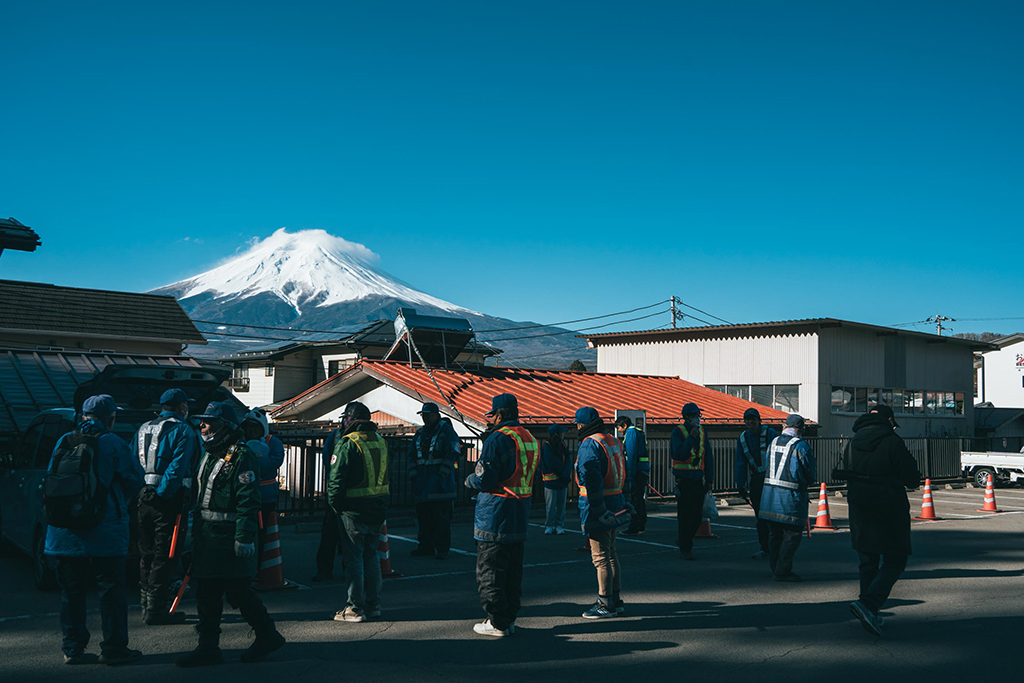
<point x="546" y="353"/>
<point x="704" y="312"/>
<point x="279" y="329"/>
<point x="596" y="327"/>
<point x="572" y="322"/>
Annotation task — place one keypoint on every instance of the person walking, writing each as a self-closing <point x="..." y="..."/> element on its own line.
<point x="224" y="540"/>
<point x="433" y="456"/>
<point x="751" y="459"/>
<point x="638" y="472"/>
<point x="330" y="527"/>
<point x="693" y="465"/>
<point x="357" y="491"/>
<point x="555" y="470"/>
<point x="791" y="469"/>
<point x="504" y="479"/>
<point x="269" y="452"/>
<point x="880" y="469"/>
<point x="95" y="548"/>
<point x="601" y="475"/>
<point x="166" y="448"/>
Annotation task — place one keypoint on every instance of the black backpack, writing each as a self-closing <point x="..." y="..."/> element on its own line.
<point x="73" y="495"/>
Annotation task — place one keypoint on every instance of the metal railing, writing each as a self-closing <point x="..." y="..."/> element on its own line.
<point x="303" y="475"/>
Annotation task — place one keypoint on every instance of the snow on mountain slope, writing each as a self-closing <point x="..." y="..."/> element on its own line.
<point x="308" y="268"/>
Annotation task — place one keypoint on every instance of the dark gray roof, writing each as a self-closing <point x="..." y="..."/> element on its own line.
<point x="994" y="418"/>
<point x="14" y="235"/>
<point x="37" y="307"/>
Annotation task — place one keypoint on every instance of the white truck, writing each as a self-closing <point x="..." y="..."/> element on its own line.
<point x="1004" y="467"/>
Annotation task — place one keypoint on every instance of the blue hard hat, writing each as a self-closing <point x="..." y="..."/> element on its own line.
<point x="691" y="409"/>
<point x="586" y="415"/>
<point x="173" y="397"/>
<point x="219" y="410"/>
<point x="556" y="429"/>
<point x="503" y="401"/>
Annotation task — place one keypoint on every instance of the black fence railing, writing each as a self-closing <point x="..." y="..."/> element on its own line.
<point x="303" y="475"/>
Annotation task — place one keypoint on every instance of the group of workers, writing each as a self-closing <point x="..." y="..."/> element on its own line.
<point x="226" y="474"/>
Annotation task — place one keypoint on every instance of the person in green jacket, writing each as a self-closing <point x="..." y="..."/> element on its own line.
<point x="224" y="539"/>
<point x="357" y="492"/>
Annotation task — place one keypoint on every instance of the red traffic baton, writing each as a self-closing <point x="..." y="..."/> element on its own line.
<point x="174" y="538"/>
<point x="181" y="591"/>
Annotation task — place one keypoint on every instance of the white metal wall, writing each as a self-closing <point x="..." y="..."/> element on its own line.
<point x="1002" y="383"/>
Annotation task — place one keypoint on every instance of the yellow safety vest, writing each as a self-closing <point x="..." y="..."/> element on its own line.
<point x="696" y="461"/>
<point x="375" y="460"/>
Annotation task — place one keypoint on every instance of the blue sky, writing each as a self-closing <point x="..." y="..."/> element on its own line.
<point x="535" y="160"/>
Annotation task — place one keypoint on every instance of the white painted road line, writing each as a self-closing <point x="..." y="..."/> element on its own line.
<point x="413" y="540"/>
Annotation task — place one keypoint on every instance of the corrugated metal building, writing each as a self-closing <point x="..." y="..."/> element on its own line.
<point x="830" y="371"/>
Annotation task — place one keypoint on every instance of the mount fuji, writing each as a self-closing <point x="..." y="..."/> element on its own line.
<point x="311" y="279"/>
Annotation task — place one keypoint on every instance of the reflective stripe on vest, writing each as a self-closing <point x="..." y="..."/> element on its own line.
<point x="148" y="445"/>
<point x="375" y="461"/>
<point x="693" y="463"/>
<point x="777" y="464"/>
<point x="764" y="450"/>
<point x="520" y="484"/>
<point x="424" y="459"/>
<point x="643" y="436"/>
<point x="204" y="504"/>
<point x="615" y="475"/>
<point x="214" y="516"/>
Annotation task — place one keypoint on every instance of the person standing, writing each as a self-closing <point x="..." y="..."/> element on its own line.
<point x="791" y="469"/>
<point x="504" y="478"/>
<point x="357" y="491"/>
<point x="330" y="527"/>
<point x="751" y="458"/>
<point x="269" y="452"/>
<point x="166" y="449"/>
<point x="601" y="475"/>
<point x="638" y="472"/>
<point x="693" y="465"/>
<point x="555" y="470"/>
<point x="433" y="455"/>
<point x="880" y="470"/>
<point x="224" y="540"/>
<point x="97" y="550"/>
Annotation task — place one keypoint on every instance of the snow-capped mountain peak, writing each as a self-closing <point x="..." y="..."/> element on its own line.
<point x="307" y="268"/>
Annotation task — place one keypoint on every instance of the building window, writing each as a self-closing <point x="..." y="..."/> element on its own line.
<point x="784" y="397"/>
<point x="717" y="387"/>
<point x="240" y="371"/>
<point x="859" y="400"/>
<point x="739" y="391"/>
<point x="787" y="398"/>
<point x="270" y="370"/>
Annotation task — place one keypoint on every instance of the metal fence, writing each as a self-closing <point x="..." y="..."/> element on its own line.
<point x="303" y="475"/>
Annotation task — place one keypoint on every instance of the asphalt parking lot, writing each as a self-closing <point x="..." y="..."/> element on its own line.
<point x="957" y="614"/>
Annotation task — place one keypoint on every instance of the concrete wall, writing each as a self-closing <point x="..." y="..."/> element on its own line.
<point x="1002" y="382"/>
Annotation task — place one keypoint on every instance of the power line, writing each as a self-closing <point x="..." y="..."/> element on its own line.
<point x="546" y="353"/>
<point x="585" y="329"/>
<point x="704" y="312"/>
<point x="572" y="322"/>
<point x="279" y="329"/>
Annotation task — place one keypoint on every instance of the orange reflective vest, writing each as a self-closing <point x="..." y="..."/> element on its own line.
<point x="520" y="484"/>
<point x="615" y="475"/>
<point x="696" y="459"/>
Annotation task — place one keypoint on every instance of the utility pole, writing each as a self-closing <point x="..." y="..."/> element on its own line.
<point x="674" y="312"/>
<point x="938" y="320"/>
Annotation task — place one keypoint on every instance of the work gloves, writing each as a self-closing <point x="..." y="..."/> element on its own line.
<point x="607" y="518"/>
<point x="244" y="550"/>
<point x="147" y="495"/>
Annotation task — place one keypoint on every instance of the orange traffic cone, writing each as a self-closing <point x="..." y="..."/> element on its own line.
<point x="704" y="530"/>
<point x="927" y="506"/>
<point x="271" y="574"/>
<point x="990" y="497"/>
<point x="384" y="554"/>
<point x="824" y="519"/>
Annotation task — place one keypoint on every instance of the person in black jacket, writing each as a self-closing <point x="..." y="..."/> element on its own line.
<point x="880" y="469"/>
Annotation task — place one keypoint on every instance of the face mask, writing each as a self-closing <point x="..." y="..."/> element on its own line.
<point x="695" y="420"/>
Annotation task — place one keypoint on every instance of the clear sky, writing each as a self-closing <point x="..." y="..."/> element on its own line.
<point x="535" y="160"/>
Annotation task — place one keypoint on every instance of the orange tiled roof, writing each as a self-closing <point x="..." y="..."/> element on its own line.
<point x="554" y="395"/>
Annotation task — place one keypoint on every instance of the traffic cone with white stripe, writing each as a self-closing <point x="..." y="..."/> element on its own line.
<point x="990" y="497"/>
<point x="824" y="518"/>
<point x="927" y="506"/>
<point x="271" y="573"/>
<point x="384" y="555"/>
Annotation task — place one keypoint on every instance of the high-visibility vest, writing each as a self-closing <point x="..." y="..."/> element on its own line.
<point x="644" y="457"/>
<point x="695" y="461"/>
<point x="149" y="443"/>
<point x="615" y="475"/>
<point x="375" y="460"/>
<point x="763" y="441"/>
<point x="778" y="461"/>
<point x="520" y="484"/>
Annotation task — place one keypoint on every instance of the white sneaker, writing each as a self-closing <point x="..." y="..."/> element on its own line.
<point x="559" y="531"/>
<point x="485" y="629"/>
<point x="350" y="615"/>
<point x="548" y="530"/>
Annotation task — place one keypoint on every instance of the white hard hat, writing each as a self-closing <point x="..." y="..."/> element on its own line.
<point x="259" y="416"/>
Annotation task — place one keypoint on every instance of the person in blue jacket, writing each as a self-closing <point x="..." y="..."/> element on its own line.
<point x="167" y="449"/>
<point x="638" y="471"/>
<point x="555" y="471"/>
<point x="269" y="452"/>
<point x="791" y="469"/>
<point x="604" y="489"/>
<point x="504" y="477"/>
<point x="433" y="456"/>
<point x="751" y="459"/>
<point x="693" y="465"/>
<point x="98" y="553"/>
<point x="330" y="531"/>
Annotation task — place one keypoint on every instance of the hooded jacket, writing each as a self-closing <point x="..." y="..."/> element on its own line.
<point x="881" y="469"/>
<point x="347" y="470"/>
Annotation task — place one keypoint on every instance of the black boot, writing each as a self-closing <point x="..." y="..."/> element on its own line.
<point x="158" y="613"/>
<point x="144" y="603"/>
<point x="207" y="654"/>
<point x="268" y="639"/>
